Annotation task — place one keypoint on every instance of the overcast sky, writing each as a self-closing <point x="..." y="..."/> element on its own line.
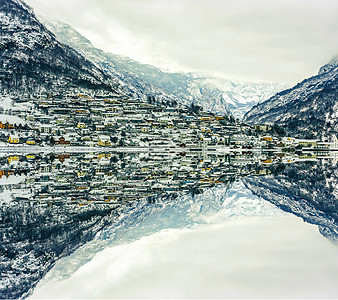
<point x="257" y="40"/>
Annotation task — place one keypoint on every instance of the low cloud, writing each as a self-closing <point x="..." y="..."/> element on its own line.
<point x="280" y="41"/>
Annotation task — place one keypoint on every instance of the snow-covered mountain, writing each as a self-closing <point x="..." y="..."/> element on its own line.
<point x="32" y="60"/>
<point x="214" y="94"/>
<point x="307" y="190"/>
<point x="33" y="237"/>
<point x="239" y="96"/>
<point x="139" y="219"/>
<point x="310" y="109"/>
<point x="330" y="66"/>
<point x="36" y="235"/>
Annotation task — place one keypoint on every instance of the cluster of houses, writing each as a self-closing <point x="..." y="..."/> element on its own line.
<point x="117" y="122"/>
<point x="190" y="143"/>
<point x="115" y="177"/>
<point x="118" y="177"/>
<point x="122" y="122"/>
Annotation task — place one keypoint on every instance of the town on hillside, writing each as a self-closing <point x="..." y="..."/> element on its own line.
<point x="122" y="122"/>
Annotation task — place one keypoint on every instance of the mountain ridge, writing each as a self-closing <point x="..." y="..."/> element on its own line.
<point x="308" y="110"/>
<point x="214" y="94"/>
<point x="32" y="60"/>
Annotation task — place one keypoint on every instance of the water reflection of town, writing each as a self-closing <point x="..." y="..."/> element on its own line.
<point x="48" y="199"/>
<point x="83" y="178"/>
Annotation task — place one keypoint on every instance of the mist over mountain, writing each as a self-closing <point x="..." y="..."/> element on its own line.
<point x="308" y="110"/>
<point x="214" y="94"/>
<point x="32" y="60"/>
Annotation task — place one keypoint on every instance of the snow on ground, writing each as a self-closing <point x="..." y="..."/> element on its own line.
<point x="6" y="103"/>
<point x="6" y="196"/>
<point x="11" y="179"/>
<point x="11" y="119"/>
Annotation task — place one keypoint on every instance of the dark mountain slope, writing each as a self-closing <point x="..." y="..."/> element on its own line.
<point x="309" y="110"/>
<point x="308" y="190"/>
<point x="33" y="61"/>
<point x="34" y="236"/>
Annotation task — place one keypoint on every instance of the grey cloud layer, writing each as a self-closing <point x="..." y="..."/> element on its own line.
<point x="280" y="40"/>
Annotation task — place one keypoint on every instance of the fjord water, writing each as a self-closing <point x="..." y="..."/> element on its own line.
<point x="244" y="248"/>
<point x="150" y="225"/>
<point x="257" y="257"/>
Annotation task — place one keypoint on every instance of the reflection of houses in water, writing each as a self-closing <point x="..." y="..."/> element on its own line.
<point x="115" y="177"/>
<point x="6" y="173"/>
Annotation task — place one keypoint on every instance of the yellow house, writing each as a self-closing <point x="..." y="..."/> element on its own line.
<point x="266" y="161"/>
<point x="13" y="140"/>
<point x="30" y="142"/>
<point x="111" y="101"/>
<point x="81" y="173"/>
<point x="103" y="155"/>
<point x="206" y="118"/>
<point x="267" y="138"/>
<point x="83" y="96"/>
<point x="13" y="158"/>
<point x="104" y="143"/>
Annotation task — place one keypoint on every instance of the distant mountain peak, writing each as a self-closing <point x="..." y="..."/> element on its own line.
<point x="214" y="94"/>
<point x="330" y="66"/>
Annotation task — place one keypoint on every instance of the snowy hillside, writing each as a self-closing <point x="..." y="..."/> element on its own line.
<point x="214" y="206"/>
<point x="307" y="110"/>
<point x="214" y="94"/>
<point x="32" y="60"/>
<point x="307" y="190"/>
<point x="238" y="96"/>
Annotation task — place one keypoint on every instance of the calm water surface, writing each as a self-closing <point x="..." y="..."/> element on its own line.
<point x="178" y="225"/>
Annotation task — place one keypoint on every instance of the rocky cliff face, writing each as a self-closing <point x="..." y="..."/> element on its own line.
<point x="33" y="61"/>
<point x="308" y="110"/>
<point x="214" y="94"/>
<point x="307" y="190"/>
<point x="330" y="66"/>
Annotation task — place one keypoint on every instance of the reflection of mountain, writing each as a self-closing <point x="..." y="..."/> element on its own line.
<point x="52" y="204"/>
<point x="34" y="236"/>
<point x="213" y="206"/>
<point x="308" y="190"/>
<point x="48" y="203"/>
